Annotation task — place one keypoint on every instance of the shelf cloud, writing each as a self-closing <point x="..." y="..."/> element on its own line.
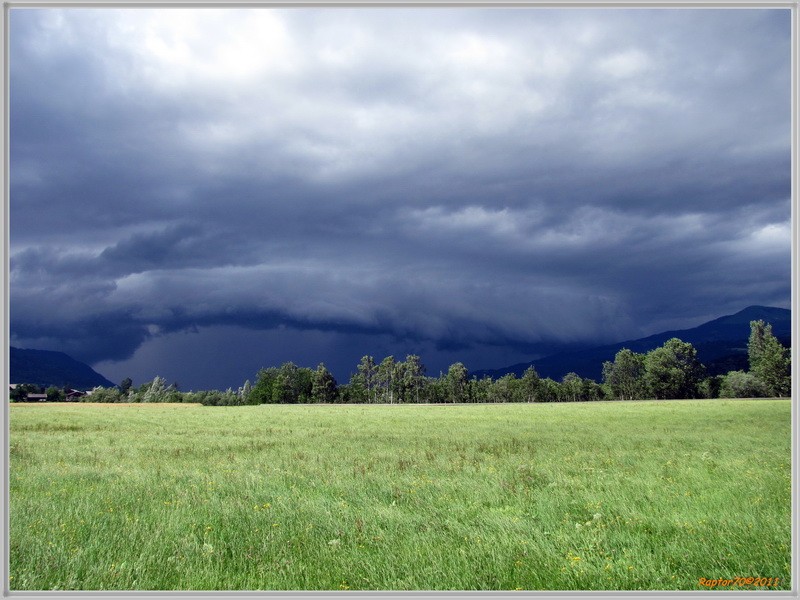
<point x="315" y="184"/>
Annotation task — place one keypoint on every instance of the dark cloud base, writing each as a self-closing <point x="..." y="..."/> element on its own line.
<point x="475" y="185"/>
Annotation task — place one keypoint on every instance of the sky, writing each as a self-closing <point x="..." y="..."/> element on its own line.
<point x="198" y="193"/>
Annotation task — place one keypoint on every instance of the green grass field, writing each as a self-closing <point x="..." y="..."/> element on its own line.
<point x="635" y="495"/>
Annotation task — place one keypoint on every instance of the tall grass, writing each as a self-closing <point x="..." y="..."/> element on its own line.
<point x="638" y="495"/>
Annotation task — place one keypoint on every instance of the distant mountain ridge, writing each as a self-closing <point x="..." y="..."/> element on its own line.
<point x="47" y="368"/>
<point x="721" y="345"/>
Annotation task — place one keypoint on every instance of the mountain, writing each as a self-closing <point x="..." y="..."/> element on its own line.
<point x="721" y="345"/>
<point x="46" y="368"/>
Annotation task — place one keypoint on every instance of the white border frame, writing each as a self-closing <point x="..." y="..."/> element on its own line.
<point x="793" y="5"/>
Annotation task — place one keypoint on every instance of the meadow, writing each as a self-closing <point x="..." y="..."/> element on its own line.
<point x="571" y="496"/>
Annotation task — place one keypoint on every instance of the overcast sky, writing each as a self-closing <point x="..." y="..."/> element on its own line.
<point x="197" y="193"/>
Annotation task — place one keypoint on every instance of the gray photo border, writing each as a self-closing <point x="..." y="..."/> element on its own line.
<point x="792" y="5"/>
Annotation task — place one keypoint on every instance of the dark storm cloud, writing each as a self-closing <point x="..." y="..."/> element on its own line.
<point x="454" y="180"/>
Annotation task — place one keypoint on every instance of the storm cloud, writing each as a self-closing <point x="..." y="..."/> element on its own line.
<point x="246" y="186"/>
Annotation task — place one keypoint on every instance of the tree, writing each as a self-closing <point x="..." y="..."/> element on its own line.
<point x="710" y="387"/>
<point x="504" y="388"/>
<point x="231" y="398"/>
<point x="355" y="391"/>
<point x="262" y="390"/>
<point x="323" y="385"/>
<point x="530" y="385"/>
<point x="625" y="376"/>
<point x="125" y="385"/>
<point x="571" y="387"/>
<point x="411" y="378"/>
<point x="244" y="392"/>
<point x="739" y="384"/>
<point x="156" y="390"/>
<point x="347" y="394"/>
<point x="386" y="374"/>
<point x="302" y="384"/>
<point x="291" y="384"/>
<point x="673" y="371"/>
<point x="54" y="394"/>
<point x="456" y="382"/>
<point x="437" y="390"/>
<point x="769" y="360"/>
<point x="215" y="398"/>
<point x="549" y="391"/>
<point x="591" y="390"/>
<point x="480" y="390"/>
<point x="101" y="394"/>
<point x="282" y="388"/>
<point x="367" y="371"/>
<point x="287" y="384"/>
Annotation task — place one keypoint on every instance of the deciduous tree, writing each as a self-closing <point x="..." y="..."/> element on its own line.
<point x="125" y="385"/>
<point x="456" y="379"/>
<point x="769" y="360"/>
<point x="673" y="371"/>
<point x="54" y="394"/>
<point x="739" y="384"/>
<point x="323" y="385"/>
<point x="411" y="378"/>
<point x="262" y="390"/>
<point x="367" y="371"/>
<point x="386" y="378"/>
<point x="530" y="385"/>
<point x="571" y="387"/>
<point x="156" y="390"/>
<point x="625" y="376"/>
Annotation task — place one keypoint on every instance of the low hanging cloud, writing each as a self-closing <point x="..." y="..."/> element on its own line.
<point x="517" y="179"/>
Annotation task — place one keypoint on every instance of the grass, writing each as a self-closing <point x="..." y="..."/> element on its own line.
<point x="628" y="496"/>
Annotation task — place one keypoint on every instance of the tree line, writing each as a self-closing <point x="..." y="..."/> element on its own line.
<point x="673" y="371"/>
<point x="668" y="372"/>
